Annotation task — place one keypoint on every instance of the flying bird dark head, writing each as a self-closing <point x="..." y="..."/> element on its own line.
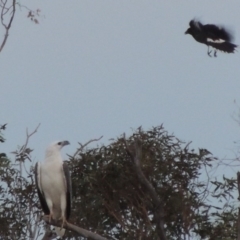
<point x="212" y="35"/>
<point x="189" y="31"/>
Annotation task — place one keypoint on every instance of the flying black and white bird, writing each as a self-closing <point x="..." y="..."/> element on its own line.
<point x="213" y="36"/>
<point x="54" y="186"/>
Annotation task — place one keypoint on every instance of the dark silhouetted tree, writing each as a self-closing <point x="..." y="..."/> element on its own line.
<point x="149" y="185"/>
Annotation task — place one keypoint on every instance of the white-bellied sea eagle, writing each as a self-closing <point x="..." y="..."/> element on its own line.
<point x="53" y="183"/>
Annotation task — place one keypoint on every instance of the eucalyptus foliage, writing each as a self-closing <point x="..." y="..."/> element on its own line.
<point x="109" y="199"/>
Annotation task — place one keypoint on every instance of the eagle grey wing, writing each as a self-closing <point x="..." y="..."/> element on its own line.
<point x="68" y="189"/>
<point x="39" y="190"/>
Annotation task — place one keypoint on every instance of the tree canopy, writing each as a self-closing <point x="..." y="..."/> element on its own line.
<point x="135" y="187"/>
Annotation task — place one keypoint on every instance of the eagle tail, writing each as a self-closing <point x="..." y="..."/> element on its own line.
<point x="60" y="231"/>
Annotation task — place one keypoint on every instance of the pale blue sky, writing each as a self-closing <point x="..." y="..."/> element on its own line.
<point x="93" y="68"/>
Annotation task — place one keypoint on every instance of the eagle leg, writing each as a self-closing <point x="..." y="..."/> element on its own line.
<point x="50" y="216"/>
<point x="50" y="207"/>
<point x="63" y="221"/>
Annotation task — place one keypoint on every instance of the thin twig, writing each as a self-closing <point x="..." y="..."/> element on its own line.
<point x="27" y="138"/>
<point x="8" y="26"/>
<point x="84" y="145"/>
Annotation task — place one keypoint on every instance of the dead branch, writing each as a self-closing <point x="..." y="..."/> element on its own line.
<point x="82" y="146"/>
<point x="7" y="26"/>
<point x="7" y="14"/>
<point x="24" y="151"/>
<point x="28" y="137"/>
<point x="82" y="232"/>
<point x="135" y="155"/>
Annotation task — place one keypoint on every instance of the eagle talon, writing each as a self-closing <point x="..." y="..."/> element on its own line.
<point x="63" y="221"/>
<point x="50" y="217"/>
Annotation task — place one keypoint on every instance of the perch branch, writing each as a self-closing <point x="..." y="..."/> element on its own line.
<point x="82" y="232"/>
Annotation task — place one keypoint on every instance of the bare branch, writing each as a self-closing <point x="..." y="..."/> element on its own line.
<point x="82" y="232"/>
<point x="158" y="212"/>
<point x="23" y="152"/>
<point x="7" y="26"/>
<point x="7" y="14"/>
<point x="84" y="145"/>
<point x="28" y="137"/>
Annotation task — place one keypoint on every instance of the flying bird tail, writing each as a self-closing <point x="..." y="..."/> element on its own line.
<point x="225" y="46"/>
<point x="60" y="231"/>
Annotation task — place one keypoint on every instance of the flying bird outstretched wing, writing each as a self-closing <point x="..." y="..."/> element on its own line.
<point x="213" y="36"/>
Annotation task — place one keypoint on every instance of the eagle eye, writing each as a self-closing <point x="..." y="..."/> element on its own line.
<point x="59" y="143"/>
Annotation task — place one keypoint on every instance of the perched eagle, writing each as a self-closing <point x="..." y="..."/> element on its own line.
<point x="212" y="35"/>
<point x="54" y="185"/>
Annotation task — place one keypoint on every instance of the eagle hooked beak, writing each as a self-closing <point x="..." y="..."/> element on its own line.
<point x="64" y="143"/>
